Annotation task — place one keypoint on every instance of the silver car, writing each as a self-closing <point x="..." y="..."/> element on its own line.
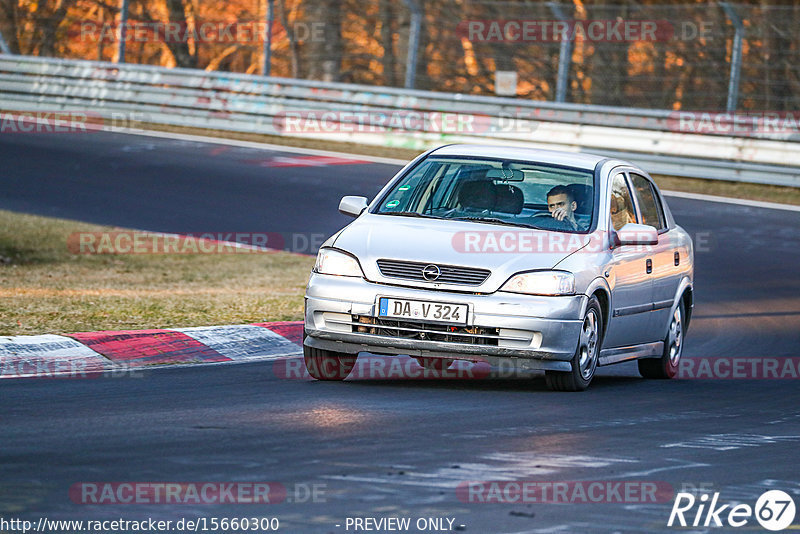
<point x="551" y="261"/>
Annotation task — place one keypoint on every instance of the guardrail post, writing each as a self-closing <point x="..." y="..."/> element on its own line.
<point x="267" y="66"/>
<point x="413" y="43"/>
<point x="4" y="45"/>
<point x="564" y="55"/>
<point x="736" y="57"/>
<point x="123" y="23"/>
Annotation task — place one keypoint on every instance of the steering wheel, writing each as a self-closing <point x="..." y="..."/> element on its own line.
<point x="547" y="222"/>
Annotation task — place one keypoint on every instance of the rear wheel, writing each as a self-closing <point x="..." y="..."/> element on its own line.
<point x="327" y="364"/>
<point x="584" y="362"/>
<point x="667" y="365"/>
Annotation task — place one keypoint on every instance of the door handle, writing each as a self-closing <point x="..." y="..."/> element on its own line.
<point x="649" y="264"/>
<point x="677" y="258"/>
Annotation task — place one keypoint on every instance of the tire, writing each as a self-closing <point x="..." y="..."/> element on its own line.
<point x="667" y="365"/>
<point x="328" y="365"/>
<point x="584" y="362"/>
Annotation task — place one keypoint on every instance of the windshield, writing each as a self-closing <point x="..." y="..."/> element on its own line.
<point x="495" y="191"/>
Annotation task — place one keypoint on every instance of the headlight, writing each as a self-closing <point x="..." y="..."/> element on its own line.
<point x="541" y="283"/>
<point x="330" y="261"/>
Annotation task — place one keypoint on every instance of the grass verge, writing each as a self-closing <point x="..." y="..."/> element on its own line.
<point x="46" y="289"/>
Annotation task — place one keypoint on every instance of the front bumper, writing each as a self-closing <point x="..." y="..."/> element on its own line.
<point x="537" y="332"/>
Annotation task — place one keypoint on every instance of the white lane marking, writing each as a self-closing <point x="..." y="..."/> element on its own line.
<point x="729" y="442"/>
<point x="497" y="466"/>
<point x="222" y="141"/>
<point x="243" y="342"/>
<point x="266" y="146"/>
<point x="47" y="356"/>
<point x="736" y="201"/>
<point x="563" y="426"/>
<point x="793" y="417"/>
<point x="395" y="161"/>
<point x="648" y="472"/>
<point x="750" y="491"/>
<point x="401" y="162"/>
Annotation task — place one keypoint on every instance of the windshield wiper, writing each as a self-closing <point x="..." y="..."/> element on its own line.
<point x="494" y="220"/>
<point x="409" y="214"/>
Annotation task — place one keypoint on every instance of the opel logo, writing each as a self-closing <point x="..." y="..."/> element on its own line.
<point x="431" y="273"/>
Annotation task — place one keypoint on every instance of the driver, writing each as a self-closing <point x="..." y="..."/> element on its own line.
<point x="562" y="205"/>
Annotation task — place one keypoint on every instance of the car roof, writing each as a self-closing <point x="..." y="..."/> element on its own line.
<point x="556" y="157"/>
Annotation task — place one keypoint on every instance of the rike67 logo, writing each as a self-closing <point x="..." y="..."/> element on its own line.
<point x="774" y="510"/>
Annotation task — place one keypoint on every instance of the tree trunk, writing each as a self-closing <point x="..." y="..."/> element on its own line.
<point x="294" y="48"/>
<point x="325" y="55"/>
<point x="388" y="59"/>
<point x="48" y="23"/>
<point x="176" y="11"/>
<point x="609" y="64"/>
<point x="8" y="24"/>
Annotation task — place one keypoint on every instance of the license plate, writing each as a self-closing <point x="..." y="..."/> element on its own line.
<point x="418" y="310"/>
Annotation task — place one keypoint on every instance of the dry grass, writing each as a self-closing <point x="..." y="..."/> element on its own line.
<point x="46" y="289"/>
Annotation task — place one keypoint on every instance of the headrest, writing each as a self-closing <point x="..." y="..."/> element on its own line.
<point x="478" y="194"/>
<point x="509" y="199"/>
<point x="583" y="197"/>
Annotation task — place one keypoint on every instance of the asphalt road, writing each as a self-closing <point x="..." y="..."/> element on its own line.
<point x="391" y="448"/>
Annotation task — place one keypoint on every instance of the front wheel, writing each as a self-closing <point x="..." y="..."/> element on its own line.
<point x="667" y="365"/>
<point x="584" y="362"/>
<point x="327" y="364"/>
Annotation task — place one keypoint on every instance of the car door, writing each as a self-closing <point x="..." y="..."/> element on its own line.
<point x="627" y="274"/>
<point x="666" y="256"/>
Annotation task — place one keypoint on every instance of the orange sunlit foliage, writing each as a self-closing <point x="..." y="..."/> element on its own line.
<point x="367" y="42"/>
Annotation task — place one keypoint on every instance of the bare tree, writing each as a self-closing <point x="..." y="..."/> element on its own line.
<point x="324" y="52"/>
<point x="294" y="47"/>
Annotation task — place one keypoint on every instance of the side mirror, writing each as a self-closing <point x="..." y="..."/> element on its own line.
<point x="637" y="234"/>
<point x="352" y="206"/>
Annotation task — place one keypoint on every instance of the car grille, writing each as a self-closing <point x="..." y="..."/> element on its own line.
<point x="474" y="335"/>
<point x="408" y="270"/>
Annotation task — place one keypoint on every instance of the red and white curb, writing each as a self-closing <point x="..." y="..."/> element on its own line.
<point x="88" y="354"/>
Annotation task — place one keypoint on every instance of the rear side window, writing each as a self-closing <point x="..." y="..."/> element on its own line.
<point x="621" y="204"/>
<point x="649" y="205"/>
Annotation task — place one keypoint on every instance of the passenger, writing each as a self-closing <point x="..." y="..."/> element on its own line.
<point x="621" y="211"/>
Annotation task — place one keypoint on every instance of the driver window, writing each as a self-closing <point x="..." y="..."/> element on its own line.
<point x="621" y="208"/>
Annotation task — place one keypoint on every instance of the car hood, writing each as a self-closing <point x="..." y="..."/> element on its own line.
<point x="503" y="250"/>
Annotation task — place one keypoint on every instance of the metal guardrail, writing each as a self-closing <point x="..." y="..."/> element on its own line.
<point x="257" y="104"/>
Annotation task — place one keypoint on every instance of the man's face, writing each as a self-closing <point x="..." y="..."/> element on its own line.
<point x="561" y="206"/>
